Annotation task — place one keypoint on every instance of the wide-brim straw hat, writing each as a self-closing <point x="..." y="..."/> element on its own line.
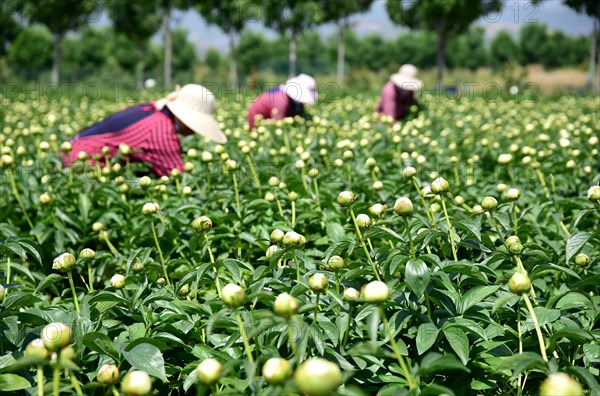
<point x="194" y="105"/>
<point x="302" y="88"/>
<point x="406" y="78"/>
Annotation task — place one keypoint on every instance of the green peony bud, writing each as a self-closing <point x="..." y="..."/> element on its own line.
<point x="292" y="196"/>
<point x="209" y="371"/>
<point x="440" y="185"/>
<point x="233" y="295"/>
<point x="377" y="210"/>
<point x="36" y="348"/>
<point x="409" y="172"/>
<point x="351" y="295"/>
<point x="63" y="263"/>
<point x="594" y="193"/>
<point x="271" y="251"/>
<point x="582" y="260"/>
<point x="201" y="224"/>
<point x="346" y="198"/>
<point x="318" y="282"/>
<point x="403" y="206"/>
<point x="117" y="281"/>
<point x="515" y="248"/>
<point x="136" y="383"/>
<point x="560" y="384"/>
<point x="56" y="336"/>
<point x="377" y="185"/>
<point x="512" y="194"/>
<point x="45" y="198"/>
<point x="87" y="254"/>
<point x="317" y="377"/>
<point x="108" y="374"/>
<point x="145" y="182"/>
<point x="97" y="227"/>
<point x="489" y="203"/>
<point x="519" y="283"/>
<point x="277" y="236"/>
<point x="375" y="292"/>
<point x="336" y="263"/>
<point x="149" y="209"/>
<point x="363" y="220"/>
<point x="293" y="239"/>
<point x="276" y="371"/>
<point x="285" y="305"/>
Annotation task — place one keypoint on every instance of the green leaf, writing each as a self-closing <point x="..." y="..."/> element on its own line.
<point x="17" y="299"/>
<point x="459" y="343"/>
<point x="148" y="358"/>
<point x="435" y="362"/>
<point x="585" y="375"/>
<point x="417" y="276"/>
<point x="546" y="316"/>
<point x="573" y="300"/>
<point x="13" y="382"/>
<point x="522" y="362"/>
<point x="575" y="243"/>
<point x="84" y="207"/>
<point x="475" y="296"/>
<point x="426" y="337"/>
<point x="383" y="233"/>
<point x="49" y="281"/>
<point x="101" y="343"/>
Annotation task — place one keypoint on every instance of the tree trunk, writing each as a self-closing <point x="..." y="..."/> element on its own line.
<point x="341" y="52"/>
<point x="293" y="54"/>
<point x="233" y="75"/>
<point x="441" y="53"/>
<point x="56" y="58"/>
<point x="591" y="69"/>
<point x="168" y="43"/>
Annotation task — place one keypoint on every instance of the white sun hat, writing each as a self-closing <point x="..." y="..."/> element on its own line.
<point x="194" y="105"/>
<point x="302" y="88"/>
<point x="406" y="78"/>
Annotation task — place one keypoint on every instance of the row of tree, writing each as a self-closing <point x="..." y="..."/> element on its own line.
<point x="138" y="21"/>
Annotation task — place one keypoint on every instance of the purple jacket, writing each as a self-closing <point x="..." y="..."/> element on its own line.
<point x="395" y="101"/>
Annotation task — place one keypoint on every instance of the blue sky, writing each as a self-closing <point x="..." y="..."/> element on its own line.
<point x="515" y="14"/>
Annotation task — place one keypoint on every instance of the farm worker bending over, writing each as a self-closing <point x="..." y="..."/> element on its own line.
<point x="399" y="93"/>
<point x="286" y="100"/>
<point x="150" y="129"/>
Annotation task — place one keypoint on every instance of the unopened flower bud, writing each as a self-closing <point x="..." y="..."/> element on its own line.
<point x="124" y="149"/>
<point x="44" y="198"/>
<point x="378" y="185"/>
<point x="117" y="281"/>
<point x="318" y="282"/>
<point x="594" y="193"/>
<point x="519" y="283"/>
<point x="108" y="374"/>
<point x="513" y="194"/>
<point x="56" y="336"/>
<point x="375" y="292"/>
<point x="63" y="263"/>
<point x="317" y="377"/>
<point x="313" y="173"/>
<point x="489" y="203"/>
<point x="403" y="206"/>
<point x="370" y="162"/>
<point x="201" y="224"/>
<point x="36" y="348"/>
<point x="271" y="251"/>
<point x="137" y="267"/>
<point x="440" y="185"/>
<point x="233" y="295"/>
<point x="136" y="383"/>
<point x="292" y="239"/>
<point x="582" y="260"/>
<point x="336" y="263"/>
<point x="363" y="220"/>
<point x="231" y="165"/>
<point x="149" y="208"/>
<point x="277" y="236"/>
<point x="376" y="210"/>
<point x="145" y="182"/>
<point x="209" y="371"/>
<point x="409" y="172"/>
<point x="351" y="295"/>
<point x="66" y="146"/>
<point x="560" y="384"/>
<point x="292" y="196"/>
<point x="346" y="198"/>
<point x="285" y="305"/>
<point x="97" y="226"/>
<point x="87" y="253"/>
<point x="273" y="181"/>
<point x="276" y="371"/>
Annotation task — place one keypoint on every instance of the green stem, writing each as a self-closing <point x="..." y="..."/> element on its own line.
<point x="364" y="246"/>
<point x="399" y="357"/>
<point x="244" y="337"/>
<point x="495" y="225"/>
<point x="90" y="276"/>
<point x="56" y="381"/>
<point x="254" y="173"/>
<point x="7" y="274"/>
<point x="316" y="308"/>
<point x="15" y="191"/>
<point x="162" y="260"/>
<point x="412" y="248"/>
<point x="75" y="300"/>
<point x="337" y="281"/>
<point x="40" y="380"/>
<point x="347" y="332"/>
<point x="540" y="176"/>
<point x="317" y="196"/>
<point x="519" y="390"/>
<point x="238" y="205"/>
<point x="293" y="214"/>
<point x="427" y="212"/>
<point x="75" y="384"/>
<point x="278" y="205"/>
<point x="449" y="229"/>
<point x="297" y="267"/>
<point x="349" y="170"/>
<point x="212" y="260"/>
<point x="304" y="183"/>
<point x="291" y="337"/>
<point x="521" y="269"/>
<point x="515" y="217"/>
<point x="537" y="327"/>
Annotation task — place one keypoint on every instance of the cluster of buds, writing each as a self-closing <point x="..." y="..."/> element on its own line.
<point x="513" y="243"/>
